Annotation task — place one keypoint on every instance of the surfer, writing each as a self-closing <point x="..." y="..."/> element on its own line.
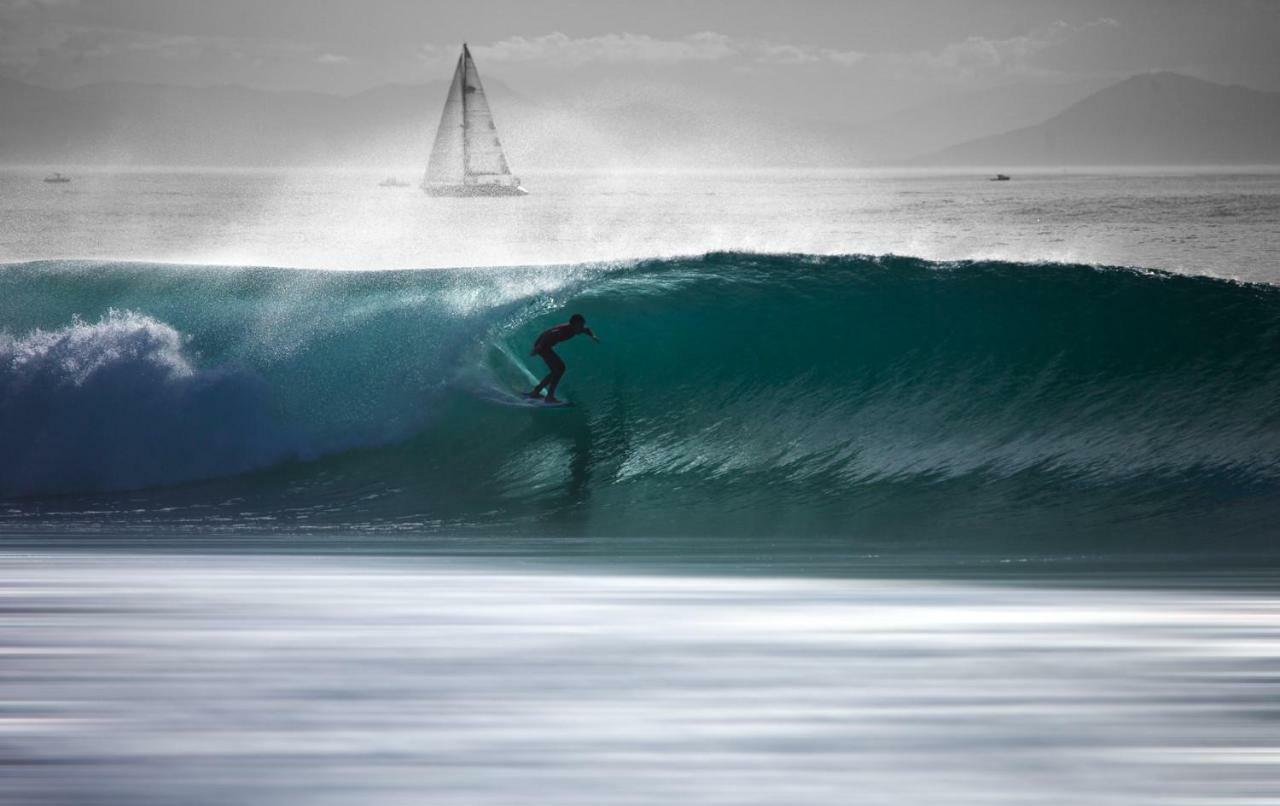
<point x="542" y="348"/>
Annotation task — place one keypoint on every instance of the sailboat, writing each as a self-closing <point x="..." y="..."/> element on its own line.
<point x="467" y="158"/>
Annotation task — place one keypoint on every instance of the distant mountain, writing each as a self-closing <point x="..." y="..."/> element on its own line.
<point x="961" y="116"/>
<point x="1155" y="119"/>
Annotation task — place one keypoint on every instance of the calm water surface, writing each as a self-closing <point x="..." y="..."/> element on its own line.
<point x="132" y="679"/>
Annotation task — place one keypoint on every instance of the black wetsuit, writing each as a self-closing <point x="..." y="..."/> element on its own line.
<point x="550" y="338"/>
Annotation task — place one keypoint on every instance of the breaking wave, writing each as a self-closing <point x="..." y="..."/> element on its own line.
<point x="887" y="399"/>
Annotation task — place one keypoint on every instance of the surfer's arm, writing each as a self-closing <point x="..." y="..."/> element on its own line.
<point x="591" y="333"/>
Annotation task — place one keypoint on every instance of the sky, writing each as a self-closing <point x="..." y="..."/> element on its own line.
<point x="868" y="57"/>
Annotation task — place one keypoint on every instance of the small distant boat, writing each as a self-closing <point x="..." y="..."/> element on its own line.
<point x="57" y="178"/>
<point x="467" y="158"/>
<point x="393" y="182"/>
<point x="1000" y="178"/>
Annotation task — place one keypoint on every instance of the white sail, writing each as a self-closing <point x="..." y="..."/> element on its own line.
<point x="484" y="157"/>
<point x="447" y="164"/>
<point x="467" y="157"/>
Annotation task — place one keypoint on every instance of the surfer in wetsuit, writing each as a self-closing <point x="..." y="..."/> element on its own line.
<point x="542" y="348"/>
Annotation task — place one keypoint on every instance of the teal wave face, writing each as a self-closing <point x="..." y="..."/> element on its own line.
<point x="882" y="401"/>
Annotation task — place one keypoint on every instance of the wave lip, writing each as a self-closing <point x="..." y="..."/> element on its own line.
<point x="117" y="404"/>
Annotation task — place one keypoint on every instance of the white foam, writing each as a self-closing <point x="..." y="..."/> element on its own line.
<point x="119" y="403"/>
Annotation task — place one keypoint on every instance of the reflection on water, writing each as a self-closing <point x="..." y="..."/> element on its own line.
<point x="250" y="680"/>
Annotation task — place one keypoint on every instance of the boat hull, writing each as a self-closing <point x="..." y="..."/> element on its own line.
<point x="475" y="190"/>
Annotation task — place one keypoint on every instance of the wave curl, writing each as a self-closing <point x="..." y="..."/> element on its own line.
<point x="733" y="393"/>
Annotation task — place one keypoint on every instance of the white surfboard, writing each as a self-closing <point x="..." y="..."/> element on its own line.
<point x="541" y="402"/>
<point x="524" y="401"/>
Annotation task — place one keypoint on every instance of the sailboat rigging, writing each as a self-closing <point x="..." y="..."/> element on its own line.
<point x="467" y="157"/>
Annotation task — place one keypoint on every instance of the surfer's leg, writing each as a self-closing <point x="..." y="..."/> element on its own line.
<point x="557" y="372"/>
<point x="542" y="384"/>
<point x="556" y="367"/>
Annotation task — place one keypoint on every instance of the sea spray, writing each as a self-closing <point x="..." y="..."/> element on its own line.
<point x="117" y="403"/>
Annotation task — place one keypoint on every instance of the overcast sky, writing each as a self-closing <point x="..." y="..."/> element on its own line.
<point x="874" y="54"/>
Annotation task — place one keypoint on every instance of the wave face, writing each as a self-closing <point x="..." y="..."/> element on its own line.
<point x="858" y="401"/>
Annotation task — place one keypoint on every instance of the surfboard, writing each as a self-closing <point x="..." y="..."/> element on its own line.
<point x="521" y="400"/>
<point x="541" y="403"/>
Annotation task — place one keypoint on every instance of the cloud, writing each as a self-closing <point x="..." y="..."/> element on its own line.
<point x="19" y="6"/>
<point x="64" y="53"/>
<point x="560" y="50"/>
<point x="786" y="54"/>
<point x="844" y="57"/>
<point x="41" y="41"/>
<point x="557" y="48"/>
<point x="977" y="56"/>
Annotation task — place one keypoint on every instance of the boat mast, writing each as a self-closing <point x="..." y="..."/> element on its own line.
<point x="466" y="152"/>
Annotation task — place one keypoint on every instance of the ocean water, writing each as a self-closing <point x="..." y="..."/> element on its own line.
<point x="814" y="405"/>
<point x="159" y="679"/>
<point x="1195" y="222"/>
<point x="871" y="474"/>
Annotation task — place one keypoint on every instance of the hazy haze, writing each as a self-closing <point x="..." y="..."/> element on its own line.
<point x="661" y="83"/>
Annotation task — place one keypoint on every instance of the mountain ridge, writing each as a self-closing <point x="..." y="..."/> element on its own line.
<point x="1161" y="118"/>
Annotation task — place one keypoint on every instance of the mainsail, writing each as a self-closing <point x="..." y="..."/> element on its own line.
<point x="448" y="156"/>
<point x="467" y="157"/>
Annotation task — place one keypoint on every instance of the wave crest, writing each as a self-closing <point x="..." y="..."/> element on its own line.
<point x="117" y="403"/>
<point x="734" y="394"/>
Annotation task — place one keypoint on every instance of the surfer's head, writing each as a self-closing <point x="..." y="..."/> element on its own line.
<point x="578" y="321"/>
